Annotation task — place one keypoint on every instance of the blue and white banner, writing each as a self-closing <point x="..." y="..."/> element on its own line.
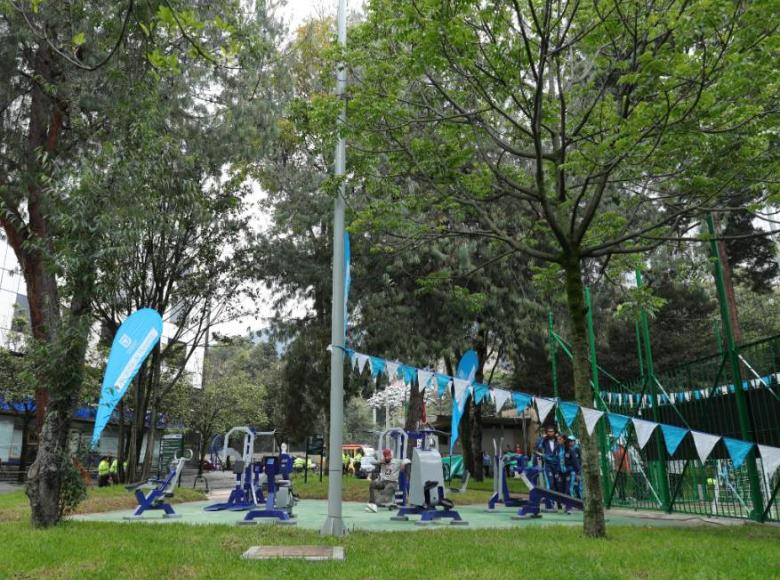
<point x="134" y="340"/>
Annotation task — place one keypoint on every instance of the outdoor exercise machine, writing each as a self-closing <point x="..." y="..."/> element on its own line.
<point x="244" y="495"/>
<point x="159" y="490"/>
<point x="426" y="486"/>
<point x="537" y="495"/>
<point x="279" y="498"/>
<point x="500" y="484"/>
<point x="396" y="440"/>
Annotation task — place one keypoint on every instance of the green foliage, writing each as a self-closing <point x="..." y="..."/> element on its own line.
<point x="74" y="490"/>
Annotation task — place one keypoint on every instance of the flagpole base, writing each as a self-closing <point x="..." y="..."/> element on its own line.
<point x="333" y="526"/>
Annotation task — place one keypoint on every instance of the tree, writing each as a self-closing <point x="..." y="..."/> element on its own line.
<point x="73" y="76"/>
<point x="570" y="132"/>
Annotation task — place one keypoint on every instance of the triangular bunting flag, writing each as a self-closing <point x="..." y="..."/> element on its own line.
<point x="738" y="450"/>
<point x="480" y="392"/>
<point x="377" y="365"/>
<point x="442" y="384"/>
<point x="569" y="412"/>
<point x="673" y="436"/>
<point x="591" y="417"/>
<point x="460" y="387"/>
<point x="500" y="396"/>
<point x="643" y="431"/>
<point x="543" y="407"/>
<point x="521" y="401"/>
<point x="362" y="360"/>
<point x="770" y="459"/>
<point x="392" y="369"/>
<point x="408" y="374"/>
<point x="704" y="444"/>
<point x="424" y="378"/>
<point x="617" y="423"/>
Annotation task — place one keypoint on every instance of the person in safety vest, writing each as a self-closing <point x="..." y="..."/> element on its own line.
<point x="104" y="471"/>
<point x="113" y="471"/>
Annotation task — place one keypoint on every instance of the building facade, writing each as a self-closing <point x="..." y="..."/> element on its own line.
<point x="14" y="326"/>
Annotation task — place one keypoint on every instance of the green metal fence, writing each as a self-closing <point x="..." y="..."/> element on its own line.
<point x="701" y="395"/>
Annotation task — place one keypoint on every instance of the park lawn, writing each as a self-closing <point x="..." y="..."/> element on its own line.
<point x="14" y="506"/>
<point x="143" y="550"/>
<point x="354" y="489"/>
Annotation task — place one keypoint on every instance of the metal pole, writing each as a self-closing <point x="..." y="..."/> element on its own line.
<point x="553" y="353"/>
<point x="731" y="350"/>
<point x="658" y="466"/>
<point x="334" y="524"/>
<point x="594" y="371"/>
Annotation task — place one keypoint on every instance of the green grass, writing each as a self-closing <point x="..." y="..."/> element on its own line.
<point x="14" y="506"/>
<point x="102" y="550"/>
<point x="354" y="489"/>
<point x="109" y="550"/>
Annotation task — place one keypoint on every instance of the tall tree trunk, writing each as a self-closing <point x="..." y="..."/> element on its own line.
<point x="593" y="524"/>
<point x="65" y="369"/>
<point x="414" y="413"/>
<point x="731" y="298"/>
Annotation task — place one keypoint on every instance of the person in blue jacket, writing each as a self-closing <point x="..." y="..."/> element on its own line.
<point x="571" y="465"/>
<point x="548" y="450"/>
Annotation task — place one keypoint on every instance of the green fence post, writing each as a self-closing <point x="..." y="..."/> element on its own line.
<point x="718" y="337"/>
<point x="639" y="350"/>
<point x="553" y="353"/>
<point x="745" y="428"/>
<point x="659" y="466"/>
<point x="594" y="371"/>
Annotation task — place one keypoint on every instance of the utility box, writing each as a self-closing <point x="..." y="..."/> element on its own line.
<point x="426" y="466"/>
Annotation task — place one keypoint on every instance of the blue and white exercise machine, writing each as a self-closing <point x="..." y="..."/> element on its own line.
<point x="278" y="499"/>
<point x="426" y="496"/>
<point x="537" y="495"/>
<point x="501" y="462"/>
<point x="244" y="495"/>
<point x="159" y="491"/>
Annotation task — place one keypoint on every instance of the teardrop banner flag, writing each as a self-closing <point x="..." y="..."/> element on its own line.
<point x="467" y="370"/>
<point x="134" y="340"/>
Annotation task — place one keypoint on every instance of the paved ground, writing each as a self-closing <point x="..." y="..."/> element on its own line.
<point x="311" y="513"/>
<point x="8" y="487"/>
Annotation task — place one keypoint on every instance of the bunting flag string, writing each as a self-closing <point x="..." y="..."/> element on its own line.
<point x="644" y="429"/>
<point x="442" y="384"/>
<point x="377" y="366"/>
<point x="673" y="436"/>
<point x="500" y="397"/>
<point x="704" y="444"/>
<point x="617" y="423"/>
<point x="569" y="412"/>
<point x="738" y="450"/>
<point x="543" y="407"/>
<point x="521" y="401"/>
<point x="591" y="417"/>
<point x="424" y="378"/>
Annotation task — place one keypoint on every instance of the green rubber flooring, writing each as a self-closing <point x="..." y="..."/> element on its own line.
<point x="310" y="514"/>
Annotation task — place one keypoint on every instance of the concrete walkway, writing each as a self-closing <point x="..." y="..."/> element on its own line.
<point x="311" y="513"/>
<point x="9" y="487"/>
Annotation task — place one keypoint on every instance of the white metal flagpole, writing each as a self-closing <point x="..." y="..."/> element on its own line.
<point x="334" y="524"/>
